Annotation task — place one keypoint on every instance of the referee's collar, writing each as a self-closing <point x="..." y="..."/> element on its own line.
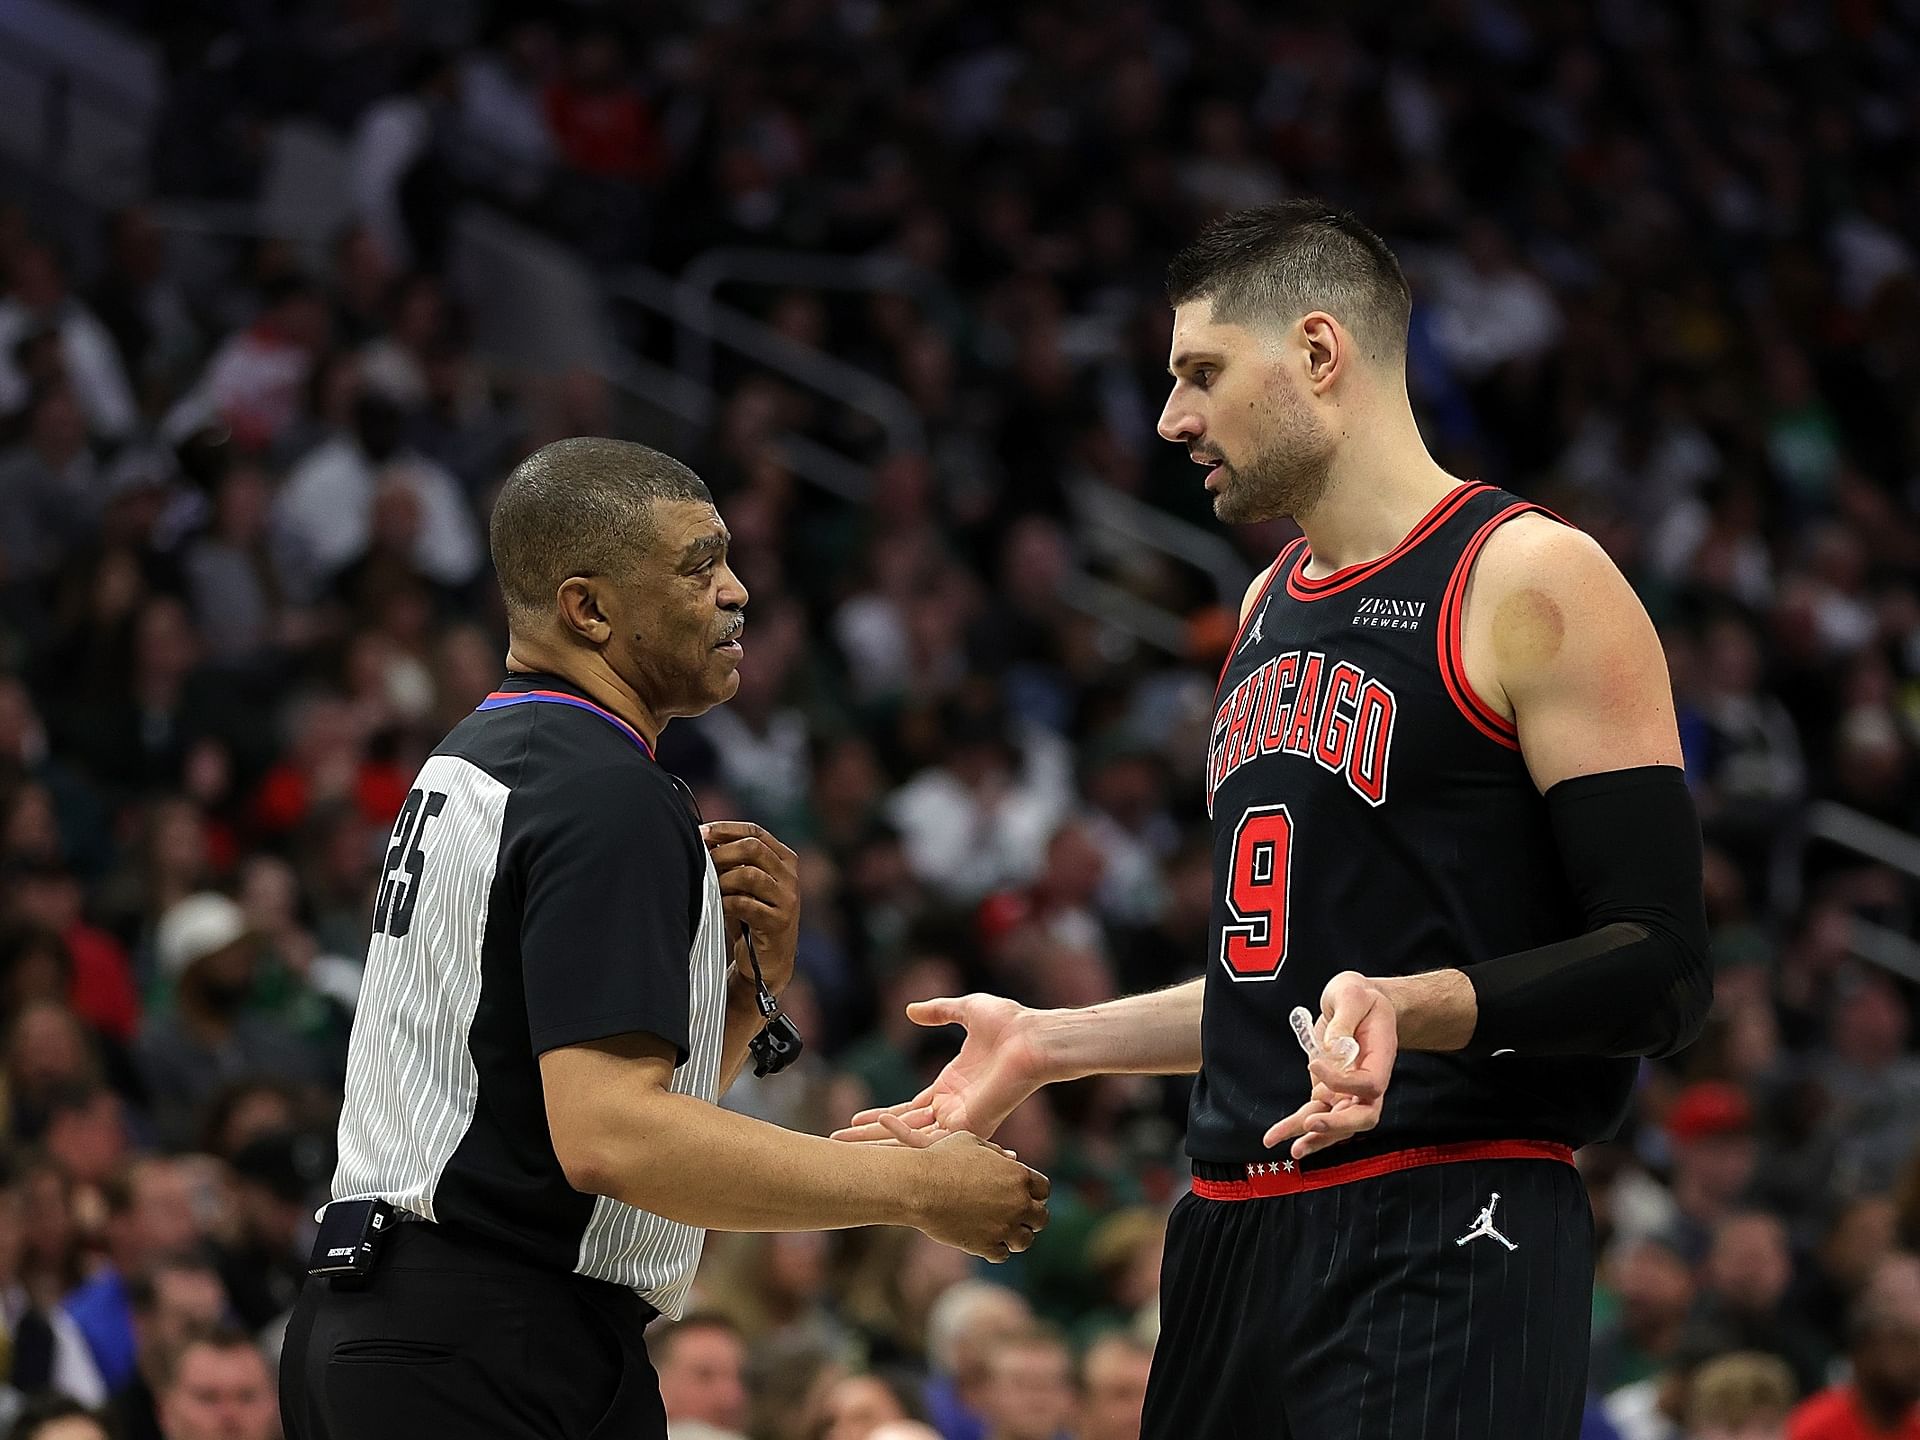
<point x="532" y="686"/>
<point x="520" y="681"/>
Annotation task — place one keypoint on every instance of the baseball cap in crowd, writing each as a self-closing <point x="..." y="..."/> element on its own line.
<point x="195" y="928"/>
<point x="1710" y="1107"/>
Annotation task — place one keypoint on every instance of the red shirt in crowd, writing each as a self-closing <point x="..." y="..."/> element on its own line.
<point x="285" y="797"/>
<point x="102" y="992"/>
<point x="1836" y="1414"/>
<point x="608" y="132"/>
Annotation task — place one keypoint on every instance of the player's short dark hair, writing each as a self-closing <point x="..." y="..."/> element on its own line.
<point x="1276" y="262"/>
<point x="579" y="507"/>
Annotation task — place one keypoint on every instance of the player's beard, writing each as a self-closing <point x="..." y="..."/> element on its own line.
<point x="1286" y="476"/>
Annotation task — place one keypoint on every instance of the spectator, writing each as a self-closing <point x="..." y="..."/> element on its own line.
<point x="1874" y="1084"/>
<point x="1741" y="1396"/>
<point x="858" y="1405"/>
<point x="58" y="1417"/>
<point x="996" y="765"/>
<point x="1743" y="1290"/>
<point x="37" y="300"/>
<point x="143" y="307"/>
<point x="47" y="1351"/>
<point x="1113" y="1384"/>
<point x="967" y="1322"/>
<point x="981" y="817"/>
<point x="1859" y="1237"/>
<point x="232" y="582"/>
<point x="48" y="1052"/>
<point x="1883" y="1397"/>
<point x="86" y="1134"/>
<point x="323" y="516"/>
<point x="1655" y="1285"/>
<point x="1028" y="1391"/>
<point x="399" y="170"/>
<point x="206" y="953"/>
<point x="503" y="124"/>
<point x="599" y="121"/>
<point x="215" y="1385"/>
<point x="173" y="1299"/>
<point x="47" y="488"/>
<point x="149" y="1214"/>
<point x="701" y="1360"/>
<point x="1714" y="1155"/>
<point x="278" y="1179"/>
<point x="256" y="381"/>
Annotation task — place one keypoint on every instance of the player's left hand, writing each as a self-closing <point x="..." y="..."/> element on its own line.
<point x="1346" y="1100"/>
<point x="759" y="888"/>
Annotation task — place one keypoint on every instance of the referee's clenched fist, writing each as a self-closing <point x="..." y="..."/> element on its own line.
<point x="567" y="970"/>
<point x="980" y="1199"/>
<point x="760" y="890"/>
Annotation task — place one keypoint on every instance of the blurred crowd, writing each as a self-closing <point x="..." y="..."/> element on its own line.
<point x="1664" y="263"/>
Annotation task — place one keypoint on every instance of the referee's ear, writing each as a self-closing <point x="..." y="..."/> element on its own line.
<point x="578" y="602"/>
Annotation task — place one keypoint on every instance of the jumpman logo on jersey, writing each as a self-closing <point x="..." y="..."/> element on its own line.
<point x="1483" y="1227"/>
<point x="1254" y="637"/>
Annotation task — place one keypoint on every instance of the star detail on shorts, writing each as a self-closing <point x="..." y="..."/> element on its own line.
<point x="1287" y="1165"/>
<point x="1268" y="1167"/>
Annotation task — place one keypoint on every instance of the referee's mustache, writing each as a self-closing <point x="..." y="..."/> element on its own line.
<point x="733" y="628"/>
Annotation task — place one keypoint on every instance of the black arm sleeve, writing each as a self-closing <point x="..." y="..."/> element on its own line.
<point x="1638" y="981"/>
<point x="613" y="885"/>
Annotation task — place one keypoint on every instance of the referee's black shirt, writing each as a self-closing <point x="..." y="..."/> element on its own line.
<point x="543" y="886"/>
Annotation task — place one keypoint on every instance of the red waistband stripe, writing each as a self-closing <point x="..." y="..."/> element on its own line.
<point x="1283" y="1176"/>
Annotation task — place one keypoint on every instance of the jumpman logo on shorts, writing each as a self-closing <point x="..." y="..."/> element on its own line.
<point x="1483" y="1227"/>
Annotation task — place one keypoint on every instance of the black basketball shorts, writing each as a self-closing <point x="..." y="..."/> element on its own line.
<point x="1437" y="1294"/>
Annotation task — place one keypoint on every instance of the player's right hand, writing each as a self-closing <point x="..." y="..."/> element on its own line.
<point x="999" y="1066"/>
<point x="978" y="1198"/>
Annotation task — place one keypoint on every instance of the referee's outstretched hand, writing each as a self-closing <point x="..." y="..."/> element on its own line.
<point x="979" y="1199"/>
<point x="759" y="888"/>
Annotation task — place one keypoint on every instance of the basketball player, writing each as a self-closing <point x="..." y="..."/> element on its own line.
<point x="1449" y="820"/>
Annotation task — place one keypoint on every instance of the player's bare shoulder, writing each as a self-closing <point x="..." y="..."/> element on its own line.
<point x="1553" y="630"/>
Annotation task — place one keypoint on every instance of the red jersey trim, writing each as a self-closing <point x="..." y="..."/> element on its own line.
<point x="1453" y="668"/>
<point x="1302" y="587"/>
<point x="1284" y="1182"/>
<point x="1273" y="573"/>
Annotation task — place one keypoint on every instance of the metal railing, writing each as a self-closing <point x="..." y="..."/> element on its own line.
<point x="751" y="265"/>
<point x="695" y="313"/>
<point x="1886" y="845"/>
<point x="1134" y="521"/>
<point x="701" y="317"/>
<point x="77" y="126"/>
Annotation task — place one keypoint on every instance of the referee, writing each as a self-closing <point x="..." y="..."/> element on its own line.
<point x="559" y="985"/>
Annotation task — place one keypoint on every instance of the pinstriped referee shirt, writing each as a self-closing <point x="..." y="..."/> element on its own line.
<point x="543" y="886"/>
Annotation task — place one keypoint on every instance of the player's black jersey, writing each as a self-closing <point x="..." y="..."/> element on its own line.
<point x="1371" y="813"/>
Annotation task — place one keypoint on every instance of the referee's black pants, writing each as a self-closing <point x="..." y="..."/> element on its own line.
<point x="449" y="1339"/>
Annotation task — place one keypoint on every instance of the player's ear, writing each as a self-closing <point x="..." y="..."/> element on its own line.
<point x="1323" y="347"/>
<point x="582" y="608"/>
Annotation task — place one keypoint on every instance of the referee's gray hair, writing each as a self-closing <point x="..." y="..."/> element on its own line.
<point x="581" y="506"/>
<point x="954" y="1313"/>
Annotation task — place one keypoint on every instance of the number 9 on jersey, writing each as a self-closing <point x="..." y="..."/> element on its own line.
<point x="1253" y="942"/>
